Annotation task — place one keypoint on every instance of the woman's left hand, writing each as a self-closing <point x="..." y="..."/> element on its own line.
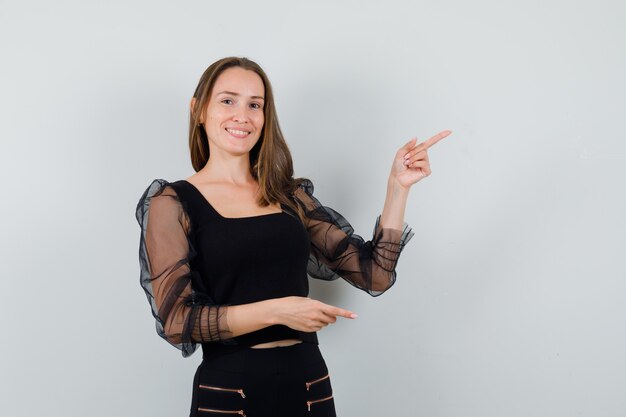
<point x="411" y="162"/>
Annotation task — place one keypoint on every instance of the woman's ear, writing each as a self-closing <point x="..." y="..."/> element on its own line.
<point x="192" y="109"/>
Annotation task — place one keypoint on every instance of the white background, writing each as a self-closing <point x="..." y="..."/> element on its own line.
<point x="510" y="297"/>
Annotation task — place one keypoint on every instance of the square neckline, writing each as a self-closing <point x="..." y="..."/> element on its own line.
<point x="196" y="190"/>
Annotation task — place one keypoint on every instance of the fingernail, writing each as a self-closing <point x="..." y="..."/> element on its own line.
<point x="354" y="316"/>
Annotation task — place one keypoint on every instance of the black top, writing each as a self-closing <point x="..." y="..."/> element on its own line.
<point x="195" y="263"/>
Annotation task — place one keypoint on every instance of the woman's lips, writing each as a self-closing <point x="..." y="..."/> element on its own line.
<point x="240" y="134"/>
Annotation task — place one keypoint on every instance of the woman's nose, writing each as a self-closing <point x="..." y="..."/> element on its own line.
<point x="241" y="114"/>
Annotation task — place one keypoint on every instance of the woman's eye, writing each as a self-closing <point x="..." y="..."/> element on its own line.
<point x="227" y="99"/>
<point x="256" y="105"/>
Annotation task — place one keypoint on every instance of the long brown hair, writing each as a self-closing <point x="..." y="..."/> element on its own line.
<point x="270" y="159"/>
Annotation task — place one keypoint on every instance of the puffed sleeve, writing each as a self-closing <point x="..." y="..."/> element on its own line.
<point x="337" y="252"/>
<point x="184" y="317"/>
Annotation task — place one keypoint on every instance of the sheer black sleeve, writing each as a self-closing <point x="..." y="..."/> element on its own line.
<point x="184" y="317"/>
<point x="337" y="252"/>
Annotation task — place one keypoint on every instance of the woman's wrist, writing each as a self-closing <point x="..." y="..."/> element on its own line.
<point x="394" y="185"/>
<point x="269" y="311"/>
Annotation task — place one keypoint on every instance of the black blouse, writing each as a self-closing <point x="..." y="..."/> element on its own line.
<point x="194" y="263"/>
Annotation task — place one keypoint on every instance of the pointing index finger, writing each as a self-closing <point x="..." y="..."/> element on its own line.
<point x="430" y="142"/>
<point x="344" y="313"/>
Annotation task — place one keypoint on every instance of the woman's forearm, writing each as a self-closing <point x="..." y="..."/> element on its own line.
<point x="247" y="318"/>
<point x="392" y="216"/>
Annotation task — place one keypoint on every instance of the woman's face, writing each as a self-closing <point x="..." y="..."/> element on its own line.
<point x="234" y="117"/>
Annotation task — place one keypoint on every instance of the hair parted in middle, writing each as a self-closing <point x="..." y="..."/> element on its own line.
<point x="271" y="164"/>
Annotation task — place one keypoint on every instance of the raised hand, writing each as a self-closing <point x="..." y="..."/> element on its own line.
<point x="411" y="161"/>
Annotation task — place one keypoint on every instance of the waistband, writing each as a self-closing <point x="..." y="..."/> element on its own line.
<point x="210" y="350"/>
<point x="297" y="359"/>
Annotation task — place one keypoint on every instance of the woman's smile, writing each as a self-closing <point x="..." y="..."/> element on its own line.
<point x="238" y="133"/>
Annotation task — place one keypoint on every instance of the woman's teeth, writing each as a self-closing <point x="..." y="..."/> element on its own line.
<point x="238" y="133"/>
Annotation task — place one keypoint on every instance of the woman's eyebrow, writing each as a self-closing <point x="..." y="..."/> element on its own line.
<point x="235" y="94"/>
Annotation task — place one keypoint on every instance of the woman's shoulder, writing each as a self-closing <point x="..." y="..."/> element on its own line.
<point x="304" y="184"/>
<point x="164" y="190"/>
<point x="164" y="196"/>
<point x="160" y="186"/>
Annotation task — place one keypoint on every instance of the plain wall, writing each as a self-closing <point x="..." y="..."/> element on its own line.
<point x="510" y="297"/>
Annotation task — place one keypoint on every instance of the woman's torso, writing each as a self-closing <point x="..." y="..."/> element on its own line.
<point x="257" y="253"/>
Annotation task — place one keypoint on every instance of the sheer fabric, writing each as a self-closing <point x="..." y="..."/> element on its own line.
<point x="186" y="317"/>
<point x="337" y="252"/>
<point x="183" y="316"/>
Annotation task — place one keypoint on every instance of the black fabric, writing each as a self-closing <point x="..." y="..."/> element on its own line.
<point x="287" y="381"/>
<point x="195" y="263"/>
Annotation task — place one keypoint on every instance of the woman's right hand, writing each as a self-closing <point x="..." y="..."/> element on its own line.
<point x="306" y="314"/>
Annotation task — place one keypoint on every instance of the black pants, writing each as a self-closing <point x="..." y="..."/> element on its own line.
<point x="284" y="381"/>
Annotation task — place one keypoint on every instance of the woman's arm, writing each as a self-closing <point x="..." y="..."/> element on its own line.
<point x="338" y="252"/>
<point x="409" y="166"/>
<point x="392" y="216"/>
<point x="247" y="318"/>
<point x="299" y="313"/>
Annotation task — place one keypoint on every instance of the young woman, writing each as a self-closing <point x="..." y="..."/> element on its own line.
<point x="225" y="253"/>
